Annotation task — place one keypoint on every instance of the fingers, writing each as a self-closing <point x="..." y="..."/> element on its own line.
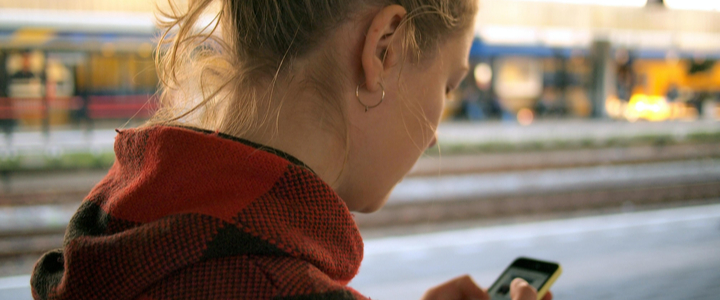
<point x="460" y="288"/>
<point x="548" y="296"/>
<point x="521" y="290"/>
<point x="469" y="289"/>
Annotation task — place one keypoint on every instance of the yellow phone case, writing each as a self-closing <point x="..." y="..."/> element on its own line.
<point x="549" y="283"/>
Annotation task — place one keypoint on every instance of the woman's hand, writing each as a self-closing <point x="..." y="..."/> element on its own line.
<point x="461" y="288"/>
<point x="521" y="290"/>
<point x="464" y="288"/>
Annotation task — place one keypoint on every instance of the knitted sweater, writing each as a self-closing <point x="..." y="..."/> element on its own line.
<point x="191" y="214"/>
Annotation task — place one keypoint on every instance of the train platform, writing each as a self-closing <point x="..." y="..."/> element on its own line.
<point x="569" y="131"/>
<point x="628" y="255"/>
<point x="485" y="135"/>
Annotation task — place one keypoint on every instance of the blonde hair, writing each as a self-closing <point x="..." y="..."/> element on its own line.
<point x="210" y="74"/>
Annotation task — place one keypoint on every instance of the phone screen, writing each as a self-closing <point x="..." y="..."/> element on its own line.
<point x="501" y="289"/>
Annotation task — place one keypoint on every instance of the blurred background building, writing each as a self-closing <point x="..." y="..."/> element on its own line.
<point x="65" y="62"/>
<point x="606" y="59"/>
<point x="587" y="132"/>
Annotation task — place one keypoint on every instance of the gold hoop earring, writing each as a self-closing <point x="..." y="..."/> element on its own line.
<point x="357" y="95"/>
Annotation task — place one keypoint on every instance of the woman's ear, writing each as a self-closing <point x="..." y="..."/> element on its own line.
<point x="381" y="50"/>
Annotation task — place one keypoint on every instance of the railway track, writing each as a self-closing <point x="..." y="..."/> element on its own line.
<point x="17" y="244"/>
<point x="560" y="159"/>
<point x="33" y="222"/>
<point x="529" y="204"/>
<point x="71" y="187"/>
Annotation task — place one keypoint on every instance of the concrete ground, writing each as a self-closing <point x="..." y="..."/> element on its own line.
<point x="664" y="254"/>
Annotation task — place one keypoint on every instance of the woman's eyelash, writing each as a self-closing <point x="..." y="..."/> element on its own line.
<point x="448" y="90"/>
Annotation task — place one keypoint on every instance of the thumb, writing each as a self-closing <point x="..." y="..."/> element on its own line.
<point x="521" y="290"/>
<point x="459" y="288"/>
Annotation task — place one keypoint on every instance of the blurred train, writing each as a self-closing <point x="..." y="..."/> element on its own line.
<point x="57" y="70"/>
<point x="526" y="82"/>
<point x="71" y="67"/>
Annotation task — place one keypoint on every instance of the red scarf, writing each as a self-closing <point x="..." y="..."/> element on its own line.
<point x="189" y="214"/>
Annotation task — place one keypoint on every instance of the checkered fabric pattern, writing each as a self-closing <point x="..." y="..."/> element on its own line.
<point x="190" y="214"/>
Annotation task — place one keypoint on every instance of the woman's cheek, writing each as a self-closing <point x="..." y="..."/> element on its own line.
<point x="435" y="111"/>
<point x="440" y="108"/>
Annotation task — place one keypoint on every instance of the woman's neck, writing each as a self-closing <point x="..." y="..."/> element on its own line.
<point x="292" y="125"/>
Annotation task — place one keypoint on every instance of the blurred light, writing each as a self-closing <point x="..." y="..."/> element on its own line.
<point x="558" y="37"/>
<point x="651" y="108"/>
<point x="698" y="41"/>
<point x="15" y="62"/>
<point x="509" y="35"/>
<point x="483" y="75"/>
<point x="83" y="21"/>
<point x="525" y="117"/>
<point x="54" y="71"/>
<point x="614" y="107"/>
<point x="711" y="5"/>
<point x="518" y="81"/>
<point x="683" y="111"/>
<point x="566" y="37"/>
<point x="628" y="3"/>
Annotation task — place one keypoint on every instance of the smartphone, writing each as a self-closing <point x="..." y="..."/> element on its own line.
<point x="539" y="274"/>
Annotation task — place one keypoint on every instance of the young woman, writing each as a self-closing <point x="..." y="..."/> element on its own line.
<point x="276" y="120"/>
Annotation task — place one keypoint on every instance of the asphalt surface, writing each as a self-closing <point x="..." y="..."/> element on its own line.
<point x="662" y="254"/>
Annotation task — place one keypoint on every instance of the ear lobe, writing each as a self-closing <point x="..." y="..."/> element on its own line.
<point x="378" y="52"/>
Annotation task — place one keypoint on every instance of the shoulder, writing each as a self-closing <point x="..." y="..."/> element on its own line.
<point x="251" y="277"/>
<point x="297" y="279"/>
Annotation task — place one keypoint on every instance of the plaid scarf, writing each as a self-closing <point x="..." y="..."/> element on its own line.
<point x="191" y="214"/>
